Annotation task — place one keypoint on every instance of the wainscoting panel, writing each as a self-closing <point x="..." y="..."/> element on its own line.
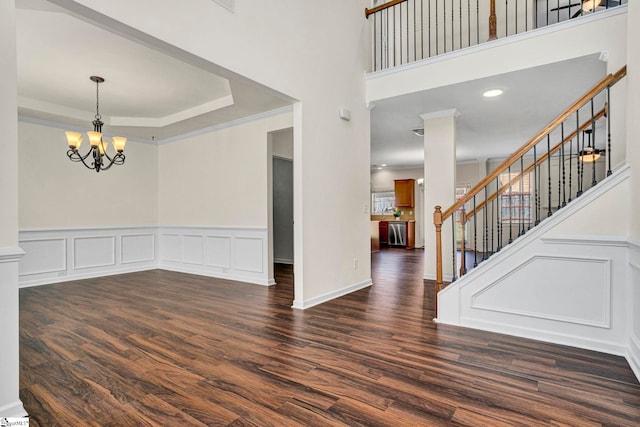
<point x="94" y="251"/>
<point x="230" y="253"/>
<point x="633" y="354"/>
<point x="58" y="255"/>
<point x="218" y="251"/>
<point x="193" y="249"/>
<point x="247" y="254"/>
<point x="137" y="248"/>
<point x="43" y="256"/>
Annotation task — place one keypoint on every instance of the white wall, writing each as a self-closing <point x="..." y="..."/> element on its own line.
<point x="54" y="192"/>
<point x="10" y="404"/>
<point x="557" y="283"/>
<point x="283" y="143"/>
<point x="633" y="156"/>
<point x="285" y="45"/>
<point x="218" y="178"/>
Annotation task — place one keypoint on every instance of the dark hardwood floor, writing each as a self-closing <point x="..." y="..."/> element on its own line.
<point x="159" y="348"/>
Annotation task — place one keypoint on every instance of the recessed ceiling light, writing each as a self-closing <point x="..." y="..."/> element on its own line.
<point x="491" y="93"/>
<point x="379" y="167"/>
<point x="384" y="165"/>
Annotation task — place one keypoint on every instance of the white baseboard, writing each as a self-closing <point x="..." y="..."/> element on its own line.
<point x="547" y="336"/>
<point x="302" y="305"/>
<point x="13" y="410"/>
<point x="432" y="277"/>
<point x="633" y="355"/>
<point x="203" y="271"/>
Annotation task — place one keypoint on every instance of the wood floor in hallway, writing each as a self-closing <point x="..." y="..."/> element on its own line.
<point x="160" y="348"/>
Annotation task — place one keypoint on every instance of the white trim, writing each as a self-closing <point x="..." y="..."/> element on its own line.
<point x="13" y="410"/>
<point x="546" y="336"/>
<point x="633" y="355"/>
<point x="232" y="123"/>
<point x="586" y="240"/>
<point x="283" y="261"/>
<point x="432" y="277"/>
<point x="442" y="114"/>
<point x="227" y="4"/>
<point x="512" y="39"/>
<point x="10" y="253"/>
<point x="606" y="323"/>
<point x="303" y="305"/>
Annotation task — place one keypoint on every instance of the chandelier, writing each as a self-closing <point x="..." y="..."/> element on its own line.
<point x="100" y="160"/>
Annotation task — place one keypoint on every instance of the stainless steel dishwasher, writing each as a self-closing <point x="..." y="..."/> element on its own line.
<point x="397" y="234"/>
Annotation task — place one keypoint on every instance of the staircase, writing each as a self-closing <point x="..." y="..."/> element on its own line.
<point x="540" y="245"/>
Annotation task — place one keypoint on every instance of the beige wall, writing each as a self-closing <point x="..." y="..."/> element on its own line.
<point x="8" y="125"/>
<point x="218" y="178"/>
<point x="633" y="112"/>
<point x="54" y="192"/>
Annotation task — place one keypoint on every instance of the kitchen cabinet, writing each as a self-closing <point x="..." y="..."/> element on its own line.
<point x="405" y="195"/>
<point x="383" y="229"/>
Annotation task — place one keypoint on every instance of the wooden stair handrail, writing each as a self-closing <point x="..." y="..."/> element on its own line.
<point x="607" y="81"/>
<point x="539" y="160"/>
<point x="392" y="3"/>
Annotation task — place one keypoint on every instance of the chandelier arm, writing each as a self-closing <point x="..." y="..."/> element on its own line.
<point x="118" y="159"/>
<point x="85" y="163"/>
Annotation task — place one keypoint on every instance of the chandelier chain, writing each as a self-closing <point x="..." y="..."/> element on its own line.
<point x="98" y="116"/>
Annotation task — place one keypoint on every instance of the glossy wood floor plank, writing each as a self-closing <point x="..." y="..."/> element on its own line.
<point x="160" y="348"/>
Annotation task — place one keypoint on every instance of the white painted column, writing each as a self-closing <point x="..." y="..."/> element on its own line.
<point x="10" y="405"/>
<point x="439" y="186"/>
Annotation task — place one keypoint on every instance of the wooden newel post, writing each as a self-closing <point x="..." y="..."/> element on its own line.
<point x="437" y="221"/>
<point x="493" y="25"/>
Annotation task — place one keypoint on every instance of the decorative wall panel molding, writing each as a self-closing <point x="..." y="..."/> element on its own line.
<point x="58" y="255"/>
<point x="230" y="253"/>
<point x="68" y="254"/>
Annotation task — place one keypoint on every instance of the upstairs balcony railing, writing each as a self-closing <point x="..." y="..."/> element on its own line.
<point x="557" y="165"/>
<point x="409" y="30"/>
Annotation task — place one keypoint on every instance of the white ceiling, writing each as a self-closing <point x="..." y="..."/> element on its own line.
<point x="147" y="93"/>
<point x="487" y="127"/>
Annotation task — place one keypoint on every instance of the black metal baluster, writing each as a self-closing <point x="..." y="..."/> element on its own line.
<point x="453" y="30"/>
<point x="570" y="171"/>
<point x="475" y="234"/>
<point x="388" y="50"/>
<point x="460" y="27"/>
<point x="498" y="215"/>
<point x="580" y="166"/>
<point x="559" y="182"/>
<point x="477" y="21"/>
<point x="510" y="209"/>
<point x="593" y="140"/>
<point x="415" y="32"/>
<point x="492" y="230"/>
<point x="437" y="32"/>
<point x="536" y="201"/>
<point x="408" y="55"/>
<point x="444" y="24"/>
<point x="394" y="36"/>
<point x="421" y="29"/>
<point x="506" y="18"/>
<point x="400" y="33"/>
<point x="608" y="110"/>
<point x="375" y="48"/>
<point x="469" y="22"/>
<point x="558" y="9"/>
<point x="516" y="23"/>
<point x="547" y="23"/>
<point x="564" y="178"/>
<point x="429" y="26"/>
<point x="577" y="153"/>
<point x="522" y="230"/>
<point x="485" y="240"/>
<point x="453" y="237"/>
<point x="549" y="213"/>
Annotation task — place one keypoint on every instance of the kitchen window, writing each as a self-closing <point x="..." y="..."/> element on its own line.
<point x="382" y="202"/>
